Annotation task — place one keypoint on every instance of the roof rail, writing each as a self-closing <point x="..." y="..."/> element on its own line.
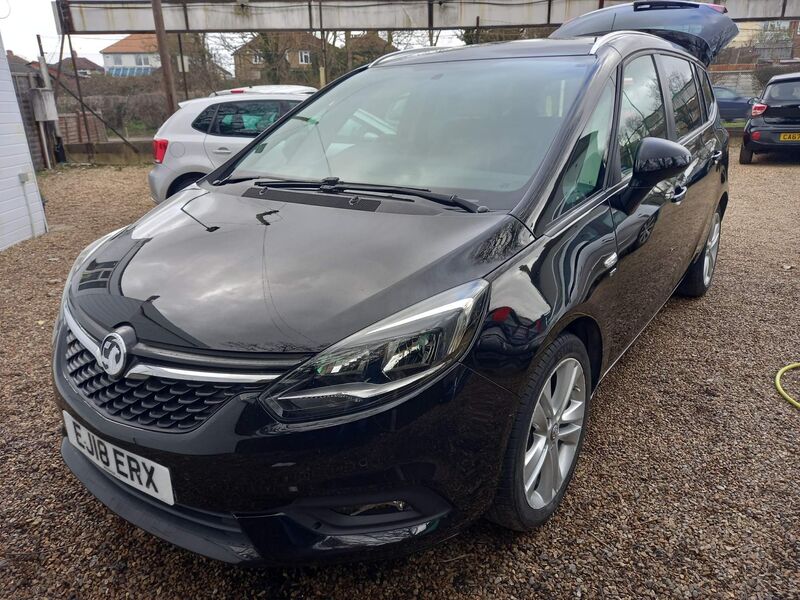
<point x="611" y="36"/>
<point x="393" y="55"/>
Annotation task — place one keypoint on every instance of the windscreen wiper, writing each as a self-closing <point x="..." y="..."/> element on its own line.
<point x="332" y="185"/>
<point x="259" y="178"/>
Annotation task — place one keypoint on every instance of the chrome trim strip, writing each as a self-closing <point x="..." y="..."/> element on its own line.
<point x="148" y="370"/>
<point x="145" y="370"/>
<point x="80" y="333"/>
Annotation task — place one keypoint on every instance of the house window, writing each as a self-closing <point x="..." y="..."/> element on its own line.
<point x="117" y="60"/>
<point x="305" y="57"/>
<point x="258" y="59"/>
<point x="142" y="60"/>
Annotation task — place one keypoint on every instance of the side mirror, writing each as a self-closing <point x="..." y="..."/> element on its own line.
<point x="752" y="100"/>
<point x="656" y="160"/>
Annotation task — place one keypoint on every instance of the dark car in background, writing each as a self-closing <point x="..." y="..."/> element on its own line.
<point x="774" y="124"/>
<point x="387" y="316"/>
<point x="732" y="105"/>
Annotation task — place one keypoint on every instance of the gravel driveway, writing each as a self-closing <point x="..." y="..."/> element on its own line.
<point x="687" y="487"/>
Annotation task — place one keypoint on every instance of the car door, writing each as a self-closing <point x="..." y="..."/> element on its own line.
<point x="650" y="225"/>
<point x="700" y="183"/>
<point x="237" y="123"/>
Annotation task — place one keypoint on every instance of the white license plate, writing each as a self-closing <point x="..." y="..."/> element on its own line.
<point x="138" y="472"/>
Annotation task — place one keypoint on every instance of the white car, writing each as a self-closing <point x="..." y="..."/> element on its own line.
<point x="267" y="89"/>
<point x="206" y="132"/>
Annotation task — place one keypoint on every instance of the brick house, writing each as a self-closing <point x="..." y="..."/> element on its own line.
<point x="364" y="48"/>
<point x="281" y="57"/>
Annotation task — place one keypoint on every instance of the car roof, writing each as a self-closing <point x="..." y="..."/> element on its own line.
<point x="784" y="77"/>
<point x="209" y="100"/>
<point x="623" y="42"/>
<point x="267" y="89"/>
<point x="516" y="49"/>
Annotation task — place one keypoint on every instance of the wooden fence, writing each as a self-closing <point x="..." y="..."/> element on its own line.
<point x="74" y="132"/>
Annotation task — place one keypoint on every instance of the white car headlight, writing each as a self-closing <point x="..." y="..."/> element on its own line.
<point x="384" y="361"/>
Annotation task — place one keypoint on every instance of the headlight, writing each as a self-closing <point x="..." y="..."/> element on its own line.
<point x="383" y="361"/>
<point x="84" y="254"/>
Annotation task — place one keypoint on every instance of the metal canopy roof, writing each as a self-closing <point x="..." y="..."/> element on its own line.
<point x="135" y="16"/>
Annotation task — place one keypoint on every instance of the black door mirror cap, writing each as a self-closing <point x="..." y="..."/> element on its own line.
<point x="658" y="159"/>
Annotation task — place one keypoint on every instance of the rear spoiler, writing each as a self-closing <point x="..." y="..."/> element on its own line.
<point x="703" y="30"/>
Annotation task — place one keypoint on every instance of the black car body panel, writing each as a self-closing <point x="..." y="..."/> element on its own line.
<point x="762" y="133"/>
<point x="222" y="277"/>
<point x="700" y="29"/>
<point x="220" y="270"/>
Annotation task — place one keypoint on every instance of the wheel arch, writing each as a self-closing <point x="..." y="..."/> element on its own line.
<point x="588" y="331"/>
<point x="173" y="187"/>
<point x="723" y="204"/>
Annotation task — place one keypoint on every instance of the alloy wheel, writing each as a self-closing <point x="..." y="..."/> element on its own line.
<point x="554" y="433"/>
<point x="712" y="248"/>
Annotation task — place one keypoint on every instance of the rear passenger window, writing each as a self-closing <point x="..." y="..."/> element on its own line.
<point x="708" y="94"/>
<point x="246" y="119"/>
<point x="682" y="86"/>
<point x="586" y="170"/>
<point x="641" y="109"/>
<point x="203" y="121"/>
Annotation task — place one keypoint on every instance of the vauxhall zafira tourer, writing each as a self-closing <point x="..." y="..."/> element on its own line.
<point x="387" y="315"/>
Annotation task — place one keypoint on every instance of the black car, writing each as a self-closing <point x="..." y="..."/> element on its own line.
<point x="774" y="124"/>
<point x="732" y="105"/>
<point x="387" y="316"/>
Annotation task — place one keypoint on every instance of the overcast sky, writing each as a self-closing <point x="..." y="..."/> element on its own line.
<point x="21" y="20"/>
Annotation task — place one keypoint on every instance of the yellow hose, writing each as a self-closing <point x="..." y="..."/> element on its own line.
<point x="782" y="391"/>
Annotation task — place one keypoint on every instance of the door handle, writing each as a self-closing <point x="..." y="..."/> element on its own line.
<point x="678" y="194"/>
<point x="717" y="156"/>
<point x="222" y="150"/>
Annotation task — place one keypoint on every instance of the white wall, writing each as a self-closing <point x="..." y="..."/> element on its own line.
<point x="15" y="158"/>
<point x="129" y="60"/>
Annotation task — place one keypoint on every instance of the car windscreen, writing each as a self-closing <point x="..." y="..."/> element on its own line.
<point x="785" y="91"/>
<point x="477" y="128"/>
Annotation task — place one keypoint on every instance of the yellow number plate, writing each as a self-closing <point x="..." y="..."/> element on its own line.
<point x="789" y="137"/>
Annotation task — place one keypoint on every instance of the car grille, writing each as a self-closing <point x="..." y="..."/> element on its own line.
<point x="152" y="402"/>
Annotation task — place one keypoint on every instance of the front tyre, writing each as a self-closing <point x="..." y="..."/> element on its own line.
<point x="700" y="274"/>
<point x="546" y="438"/>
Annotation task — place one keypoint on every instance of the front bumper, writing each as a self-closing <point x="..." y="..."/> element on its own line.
<point x="251" y="490"/>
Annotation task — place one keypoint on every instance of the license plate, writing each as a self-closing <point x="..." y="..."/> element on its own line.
<point x="789" y="137"/>
<point x="138" y="472"/>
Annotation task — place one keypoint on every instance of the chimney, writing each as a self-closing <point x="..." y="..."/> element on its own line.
<point x="9" y="53"/>
<point x="74" y="54"/>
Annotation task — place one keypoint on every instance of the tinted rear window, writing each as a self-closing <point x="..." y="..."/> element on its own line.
<point x="246" y="119"/>
<point x="203" y="121"/>
<point x="784" y="91"/>
<point x="707" y="93"/>
<point x="682" y="86"/>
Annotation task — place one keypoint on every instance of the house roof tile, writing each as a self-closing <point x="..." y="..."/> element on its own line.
<point x="136" y="42"/>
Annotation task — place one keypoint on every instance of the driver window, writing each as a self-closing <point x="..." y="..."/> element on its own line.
<point x="585" y="172"/>
<point x="641" y="109"/>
